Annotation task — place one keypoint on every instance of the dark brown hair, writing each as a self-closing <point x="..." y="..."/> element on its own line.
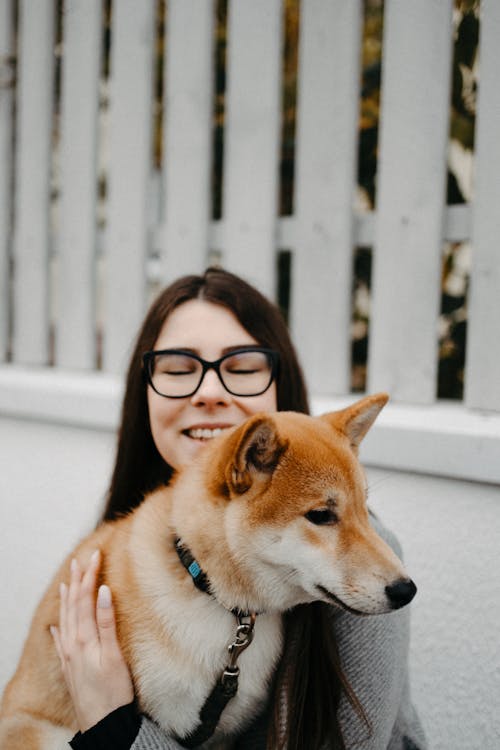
<point x="314" y="681"/>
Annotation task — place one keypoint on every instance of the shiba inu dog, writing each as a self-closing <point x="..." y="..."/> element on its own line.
<point x="272" y="514"/>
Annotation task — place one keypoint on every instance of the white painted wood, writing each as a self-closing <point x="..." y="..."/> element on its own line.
<point x="77" y="241"/>
<point x="457" y="228"/>
<point x="79" y="397"/>
<point x="457" y="223"/>
<point x="6" y="126"/>
<point x="251" y="140"/>
<point x="411" y="197"/>
<point x="482" y="377"/>
<point x="35" y="81"/>
<point x="326" y="150"/>
<point x="130" y="127"/>
<point x="408" y="227"/>
<point x="188" y="115"/>
<point x="444" y="439"/>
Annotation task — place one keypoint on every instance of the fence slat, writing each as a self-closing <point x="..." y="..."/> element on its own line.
<point x="77" y="242"/>
<point x="251" y="140"/>
<point x="6" y="125"/>
<point x="33" y="139"/>
<point x="129" y="176"/>
<point x="482" y="377"/>
<point x="328" y="90"/>
<point x="411" y="190"/>
<point x="188" y="135"/>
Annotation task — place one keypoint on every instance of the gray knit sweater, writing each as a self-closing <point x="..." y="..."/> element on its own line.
<point x="374" y="656"/>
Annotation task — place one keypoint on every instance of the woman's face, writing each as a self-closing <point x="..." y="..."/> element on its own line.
<point x="210" y="331"/>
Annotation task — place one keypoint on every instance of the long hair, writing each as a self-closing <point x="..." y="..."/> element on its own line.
<point x="314" y="678"/>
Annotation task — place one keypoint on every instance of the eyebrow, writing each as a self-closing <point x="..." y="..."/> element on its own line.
<point x="226" y="350"/>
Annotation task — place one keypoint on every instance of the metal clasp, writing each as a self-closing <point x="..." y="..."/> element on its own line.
<point x="244" y="637"/>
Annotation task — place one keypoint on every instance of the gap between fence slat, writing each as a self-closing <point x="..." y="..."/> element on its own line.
<point x="482" y="375"/>
<point x="6" y="124"/>
<point x="75" y="291"/>
<point x="251" y="140"/>
<point x="328" y="104"/>
<point x="35" y="82"/>
<point x="188" y="112"/>
<point x="126" y="241"/>
<point x="411" y="199"/>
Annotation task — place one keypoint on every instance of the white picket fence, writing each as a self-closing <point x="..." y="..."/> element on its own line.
<point x="69" y="288"/>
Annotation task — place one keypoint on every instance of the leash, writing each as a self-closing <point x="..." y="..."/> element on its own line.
<point x="226" y="686"/>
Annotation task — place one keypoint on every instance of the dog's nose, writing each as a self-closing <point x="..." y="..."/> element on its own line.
<point x="400" y="593"/>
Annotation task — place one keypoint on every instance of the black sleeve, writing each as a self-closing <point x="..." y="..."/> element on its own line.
<point x="117" y="731"/>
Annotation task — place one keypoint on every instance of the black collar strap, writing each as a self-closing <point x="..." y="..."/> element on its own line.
<point x="200" y="578"/>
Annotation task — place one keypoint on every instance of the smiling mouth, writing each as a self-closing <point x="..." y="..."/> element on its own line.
<point x="338" y="601"/>
<point x="204" y="433"/>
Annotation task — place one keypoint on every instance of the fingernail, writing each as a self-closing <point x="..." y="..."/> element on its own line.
<point x="104" y="597"/>
<point x="73" y="565"/>
<point x="94" y="556"/>
<point x="62" y="589"/>
<point x="52" y="629"/>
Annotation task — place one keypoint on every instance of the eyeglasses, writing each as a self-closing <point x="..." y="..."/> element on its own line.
<point x="174" y="373"/>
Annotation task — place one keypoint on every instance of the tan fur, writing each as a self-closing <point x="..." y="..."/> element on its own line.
<point x="241" y="510"/>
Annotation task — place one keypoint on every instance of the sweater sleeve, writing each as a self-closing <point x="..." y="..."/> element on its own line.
<point x="124" y="729"/>
<point x="374" y="656"/>
<point x="117" y="730"/>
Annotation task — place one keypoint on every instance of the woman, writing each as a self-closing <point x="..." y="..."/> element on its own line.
<point x="313" y="704"/>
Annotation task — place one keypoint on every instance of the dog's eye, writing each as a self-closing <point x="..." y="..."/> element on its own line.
<point x="323" y="517"/>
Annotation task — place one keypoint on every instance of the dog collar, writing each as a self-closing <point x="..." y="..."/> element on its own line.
<point x="199" y="578"/>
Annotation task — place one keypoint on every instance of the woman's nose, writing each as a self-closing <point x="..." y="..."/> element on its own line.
<point x="211" y="390"/>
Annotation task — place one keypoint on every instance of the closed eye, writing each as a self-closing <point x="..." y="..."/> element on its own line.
<point x="322" y="517"/>
<point x="235" y="371"/>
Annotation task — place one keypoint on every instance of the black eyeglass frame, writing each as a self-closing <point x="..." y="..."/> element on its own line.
<point x="272" y="355"/>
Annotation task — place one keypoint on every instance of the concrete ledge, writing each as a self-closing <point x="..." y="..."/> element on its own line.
<point x="444" y="439"/>
<point x="86" y="399"/>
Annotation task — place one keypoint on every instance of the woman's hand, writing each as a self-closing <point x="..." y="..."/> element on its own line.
<point x="93" y="666"/>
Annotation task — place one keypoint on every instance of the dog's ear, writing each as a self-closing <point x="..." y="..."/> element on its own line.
<point x="256" y="454"/>
<point x="356" y="420"/>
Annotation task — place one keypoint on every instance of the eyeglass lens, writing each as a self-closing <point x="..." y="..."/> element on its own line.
<point x="242" y="373"/>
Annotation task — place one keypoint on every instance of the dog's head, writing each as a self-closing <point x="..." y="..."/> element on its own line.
<point x="295" y="514"/>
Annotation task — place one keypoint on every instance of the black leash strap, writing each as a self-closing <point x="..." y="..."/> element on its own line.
<point x="224" y="690"/>
<point x="227" y="685"/>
